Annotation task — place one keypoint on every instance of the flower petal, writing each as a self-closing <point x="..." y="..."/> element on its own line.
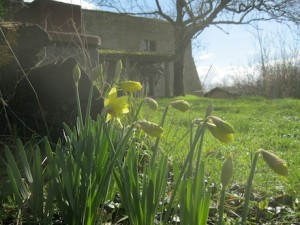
<point x="113" y="94"/>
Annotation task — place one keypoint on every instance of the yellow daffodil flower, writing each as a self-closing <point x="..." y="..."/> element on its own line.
<point x="180" y="105"/>
<point x="115" y="106"/>
<point x="150" y="128"/>
<point x="220" y="129"/>
<point x="275" y="163"/>
<point x="151" y="103"/>
<point x="130" y="86"/>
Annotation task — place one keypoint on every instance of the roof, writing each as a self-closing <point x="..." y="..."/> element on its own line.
<point x="228" y="89"/>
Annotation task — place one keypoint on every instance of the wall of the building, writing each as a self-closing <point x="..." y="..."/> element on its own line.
<point x="123" y="32"/>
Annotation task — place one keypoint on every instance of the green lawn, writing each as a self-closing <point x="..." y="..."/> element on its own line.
<point x="258" y="122"/>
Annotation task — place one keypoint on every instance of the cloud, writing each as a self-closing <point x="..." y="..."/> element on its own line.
<point x="215" y="76"/>
<point x="206" y="56"/>
<point x="226" y="75"/>
<point x="84" y="4"/>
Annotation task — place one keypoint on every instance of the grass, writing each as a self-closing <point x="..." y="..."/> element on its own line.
<point x="259" y="123"/>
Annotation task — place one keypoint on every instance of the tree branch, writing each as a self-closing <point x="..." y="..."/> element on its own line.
<point x="162" y="14"/>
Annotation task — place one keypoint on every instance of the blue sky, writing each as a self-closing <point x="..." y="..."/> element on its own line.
<point x="228" y="54"/>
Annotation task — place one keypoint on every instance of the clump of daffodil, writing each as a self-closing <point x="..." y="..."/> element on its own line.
<point x="277" y="164"/>
<point x="76" y="74"/>
<point x="151" y="103"/>
<point x="180" y="105"/>
<point x="131" y="86"/>
<point x="114" y="106"/>
<point x="220" y="129"/>
<point x="150" y="128"/>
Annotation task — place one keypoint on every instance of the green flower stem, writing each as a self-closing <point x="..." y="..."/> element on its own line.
<point x="176" y="186"/>
<point x="200" y="148"/>
<point x="79" y="106"/>
<point x="188" y="162"/>
<point x="89" y="105"/>
<point x="158" y="138"/>
<point x="221" y="206"/>
<point x="248" y="189"/>
<point x="199" y="134"/>
<point x="136" y="115"/>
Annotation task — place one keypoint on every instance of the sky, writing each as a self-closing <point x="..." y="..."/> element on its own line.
<point x="222" y="55"/>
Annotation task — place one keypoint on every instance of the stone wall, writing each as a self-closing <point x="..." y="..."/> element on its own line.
<point x="52" y="15"/>
<point x="117" y="32"/>
<point x="63" y="23"/>
<point x="123" y="32"/>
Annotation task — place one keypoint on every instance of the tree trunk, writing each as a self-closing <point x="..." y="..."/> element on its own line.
<point x="167" y="79"/>
<point x="178" y="87"/>
<point x="180" y="47"/>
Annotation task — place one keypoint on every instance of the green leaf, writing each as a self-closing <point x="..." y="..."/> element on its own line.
<point x="37" y="190"/>
<point x="15" y="175"/>
<point x="150" y="210"/>
<point x="14" y="185"/>
<point x="20" y="149"/>
<point x="66" y="178"/>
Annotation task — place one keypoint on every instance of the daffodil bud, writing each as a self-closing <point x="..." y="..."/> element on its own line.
<point x="76" y="74"/>
<point x="151" y="103"/>
<point x="277" y="164"/>
<point x="150" y="128"/>
<point x="227" y="170"/>
<point x="180" y="105"/>
<point x="119" y="68"/>
<point x="220" y="129"/>
<point x="131" y="86"/>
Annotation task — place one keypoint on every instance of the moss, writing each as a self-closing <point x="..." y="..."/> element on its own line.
<point x="11" y="36"/>
<point x="5" y="55"/>
<point x="137" y="55"/>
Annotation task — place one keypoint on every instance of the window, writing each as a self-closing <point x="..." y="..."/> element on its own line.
<point x="149" y="45"/>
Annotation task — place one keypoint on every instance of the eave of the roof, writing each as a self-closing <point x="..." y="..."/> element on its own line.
<point x="138" y="56"/>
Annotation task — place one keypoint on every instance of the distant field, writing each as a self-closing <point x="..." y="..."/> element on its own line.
<point x="258" y="122"/>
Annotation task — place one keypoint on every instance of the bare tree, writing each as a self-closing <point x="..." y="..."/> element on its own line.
<point x="190" y="18"/>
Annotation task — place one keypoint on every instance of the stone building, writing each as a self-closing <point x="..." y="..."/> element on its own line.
<point x="146" y="46"/>
<point x="150" y="47"/>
